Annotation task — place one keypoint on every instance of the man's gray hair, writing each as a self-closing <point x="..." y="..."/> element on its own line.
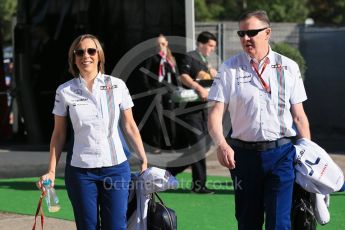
<point x="259" y="14"/>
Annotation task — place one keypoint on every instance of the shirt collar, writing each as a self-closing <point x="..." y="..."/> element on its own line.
<point x="99" y="78"/>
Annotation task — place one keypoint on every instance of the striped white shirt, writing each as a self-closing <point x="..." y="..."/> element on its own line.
<point x="257" y="115"/>
<point x="95" y="119"/>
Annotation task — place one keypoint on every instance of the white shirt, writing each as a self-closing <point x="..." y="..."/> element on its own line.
<point x="257" y="115"/>
<point x="94" y="117"/>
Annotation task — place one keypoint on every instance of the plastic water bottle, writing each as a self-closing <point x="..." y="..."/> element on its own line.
<point x="51" y="198"/>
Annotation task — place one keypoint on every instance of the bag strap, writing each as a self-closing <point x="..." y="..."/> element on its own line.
<point x="160" y="199"/>
<point x="39" y="210"/>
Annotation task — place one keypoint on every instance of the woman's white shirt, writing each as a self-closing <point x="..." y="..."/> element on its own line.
<point x="95" y="119"/>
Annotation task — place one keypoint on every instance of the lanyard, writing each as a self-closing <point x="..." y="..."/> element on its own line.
<point x="203" y="58"/>
<point x="255" y="66"/>
<point x="39" y="210"/>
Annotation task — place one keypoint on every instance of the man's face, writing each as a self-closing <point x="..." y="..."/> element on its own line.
<point x="207" y="48"/>
<point x="253" y="44"/>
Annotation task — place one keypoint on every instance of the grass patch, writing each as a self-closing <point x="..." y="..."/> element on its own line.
<point x="194" y="211"/>
<point x="21" y="196"/>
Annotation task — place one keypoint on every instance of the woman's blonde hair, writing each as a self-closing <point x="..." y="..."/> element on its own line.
<point x="72" y="67"/>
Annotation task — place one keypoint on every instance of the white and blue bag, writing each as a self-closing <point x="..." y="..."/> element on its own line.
<point x="316" y="172"/>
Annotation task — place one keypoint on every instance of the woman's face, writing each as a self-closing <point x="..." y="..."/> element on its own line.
<point x="162" y="44"/>
<point x="86" y="57"/>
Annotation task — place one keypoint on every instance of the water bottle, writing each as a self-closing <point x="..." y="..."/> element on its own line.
<point x="51" y="198"/>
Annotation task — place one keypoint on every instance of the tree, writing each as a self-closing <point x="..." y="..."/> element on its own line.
<point x="282" y="10"/>
<point x="208" y="10"/>
<point x="326" y="12"/>
<point x="7" y="10"/>
<point x="278" y="10"/>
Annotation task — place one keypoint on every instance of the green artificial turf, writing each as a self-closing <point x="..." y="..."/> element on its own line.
<point x="194" y="211"/>
<point x="21" y="196"/>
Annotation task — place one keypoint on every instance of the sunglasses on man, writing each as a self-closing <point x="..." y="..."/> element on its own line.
<point x="81" y="52"/>
<point x="250" y="33"/>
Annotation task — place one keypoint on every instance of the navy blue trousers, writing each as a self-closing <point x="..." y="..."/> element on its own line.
<point x="263" y="183"/>
<point x="99" y="196"/>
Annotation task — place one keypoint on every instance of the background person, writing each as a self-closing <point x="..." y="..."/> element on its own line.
<point x="263" y="92"/>
<point x="97" y="174"/>
<point x="159" y="132"/>
<point x="195" y="67"/>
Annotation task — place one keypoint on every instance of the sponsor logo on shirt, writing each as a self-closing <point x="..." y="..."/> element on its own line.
<point x="244" y="79"/>
<point x="106" y="87"/>
<point x="279" y="66"/>
<point x="80" y="99"/>
<point x="78" y="104"/>
<point x="77" y="91"/>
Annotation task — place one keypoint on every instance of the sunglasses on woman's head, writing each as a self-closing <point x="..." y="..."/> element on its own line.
<point x="81" y="52"/>
<point x="250" y="33"/>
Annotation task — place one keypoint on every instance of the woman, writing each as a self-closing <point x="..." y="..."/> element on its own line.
<point x="163" y="66"/>
<point x="97" y="173"/>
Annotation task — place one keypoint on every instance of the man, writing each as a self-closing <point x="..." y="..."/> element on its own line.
<point x="263" y="92"/>
<point x="195" y="67"/>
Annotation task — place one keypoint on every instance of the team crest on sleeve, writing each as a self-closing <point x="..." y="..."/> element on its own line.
<point x="243" y="67"/>
<point x="77" y="91"/>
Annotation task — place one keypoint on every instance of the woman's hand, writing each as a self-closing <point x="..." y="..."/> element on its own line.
<point x="47" y="176"/>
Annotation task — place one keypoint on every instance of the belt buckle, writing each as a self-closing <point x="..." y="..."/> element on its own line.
<point x="261" y="147"/>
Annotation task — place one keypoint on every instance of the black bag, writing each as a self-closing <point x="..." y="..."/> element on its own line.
<point x="159" y="216"/>
<point x="302" y="213"/>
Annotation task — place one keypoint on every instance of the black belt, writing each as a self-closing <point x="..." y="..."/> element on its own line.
<point x="260" y="145"/>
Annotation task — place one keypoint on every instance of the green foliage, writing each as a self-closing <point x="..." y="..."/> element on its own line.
<point x="7" y="10"/>
<point x="278" y="10"/>
<point x="326" y="12"/>
<point x="282" y="10"/>
<point x="208" y="11"/>
<point x="201" y="11"/>
<point x="293" y="53"/>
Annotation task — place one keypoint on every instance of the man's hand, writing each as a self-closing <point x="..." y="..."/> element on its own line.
<point x="226" y="155"/>
<point x="202" y="92"/>
<point x="213" y="72"/>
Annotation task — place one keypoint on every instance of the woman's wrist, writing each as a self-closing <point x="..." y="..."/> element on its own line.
<point x="143" y="160"/>
<point x="51" y="171"/>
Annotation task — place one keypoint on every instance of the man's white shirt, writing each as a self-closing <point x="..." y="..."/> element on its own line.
<point x="257" y="115"/>
<point x="95" y="119"/>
